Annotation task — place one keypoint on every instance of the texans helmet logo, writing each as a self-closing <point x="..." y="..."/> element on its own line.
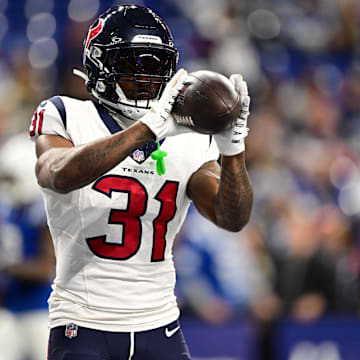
<point x="94" y="32"/>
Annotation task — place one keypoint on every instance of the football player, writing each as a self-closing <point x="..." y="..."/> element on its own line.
<point x="112" y="210"/>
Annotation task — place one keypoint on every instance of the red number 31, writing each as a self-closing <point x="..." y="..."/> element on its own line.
<point x="130" y="218"/>
<point x="36" y="123"/>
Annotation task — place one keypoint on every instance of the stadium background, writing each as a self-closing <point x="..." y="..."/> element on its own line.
<point x="287" y="286"/>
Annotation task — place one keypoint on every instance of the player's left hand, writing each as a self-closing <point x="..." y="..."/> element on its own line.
<point x="231" y="141"/>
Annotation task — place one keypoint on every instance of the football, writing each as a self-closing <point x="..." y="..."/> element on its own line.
<point x="208" y="103"/>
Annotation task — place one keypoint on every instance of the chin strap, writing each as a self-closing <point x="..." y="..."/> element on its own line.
<point x="80" y="74"/>
<point x="83" y="76"/>
<point x="128" y="111"/>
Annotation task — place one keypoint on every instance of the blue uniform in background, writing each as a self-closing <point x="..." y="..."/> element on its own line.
<point x="24" y="226"/>
<point x="23" y="303"/>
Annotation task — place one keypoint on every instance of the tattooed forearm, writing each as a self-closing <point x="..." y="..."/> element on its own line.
<point x="92" y="156"/>
<point x="223" y="194"/>
<point x="75" y="167"/>
<point x="142" y="138"/>
<point x="235" y="196"/>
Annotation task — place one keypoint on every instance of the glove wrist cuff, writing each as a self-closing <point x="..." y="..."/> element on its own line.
<point x="155" y="128"/>
<point x="230" y="149"/>
<point x="154" y="121"/>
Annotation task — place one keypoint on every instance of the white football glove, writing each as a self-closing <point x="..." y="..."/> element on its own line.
<point x="158" y="119"/>
<point x="231" y="141"/>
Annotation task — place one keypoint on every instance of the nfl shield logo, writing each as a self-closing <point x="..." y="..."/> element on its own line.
<point x="138" y="155"/>
<point x="71" y="331"/>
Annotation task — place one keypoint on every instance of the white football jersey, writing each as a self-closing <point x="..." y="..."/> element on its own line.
<point x="113" y="238"/>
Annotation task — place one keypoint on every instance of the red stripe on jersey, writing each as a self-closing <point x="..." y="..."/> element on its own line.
<point x="41" y="118"/>
<point x="33" y="124"/>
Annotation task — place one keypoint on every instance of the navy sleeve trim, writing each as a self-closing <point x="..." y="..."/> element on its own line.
<point x="109" y="122"/>
<point x="59" y="104"/>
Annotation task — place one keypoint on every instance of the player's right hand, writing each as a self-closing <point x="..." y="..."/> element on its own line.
<point x="158" y="119"/>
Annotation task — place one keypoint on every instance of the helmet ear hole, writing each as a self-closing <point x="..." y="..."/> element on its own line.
<point x="95" y="52"/>
<point x="100" y="87"/>
<point x="129" y="43"/>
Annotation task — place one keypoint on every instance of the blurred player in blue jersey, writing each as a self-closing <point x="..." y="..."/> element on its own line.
<point x="112" y="212"/>
<point x="26" y="255"/>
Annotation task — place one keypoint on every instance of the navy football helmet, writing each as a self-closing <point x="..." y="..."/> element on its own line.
<point x="129" y="56"/>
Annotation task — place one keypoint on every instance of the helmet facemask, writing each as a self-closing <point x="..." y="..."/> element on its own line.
<point x="131" y="77"/>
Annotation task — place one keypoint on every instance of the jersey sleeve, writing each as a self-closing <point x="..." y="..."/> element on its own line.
<point x="49" y="119"/>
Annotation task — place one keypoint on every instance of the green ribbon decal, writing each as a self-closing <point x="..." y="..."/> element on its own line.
<point x="159" y="155"/>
